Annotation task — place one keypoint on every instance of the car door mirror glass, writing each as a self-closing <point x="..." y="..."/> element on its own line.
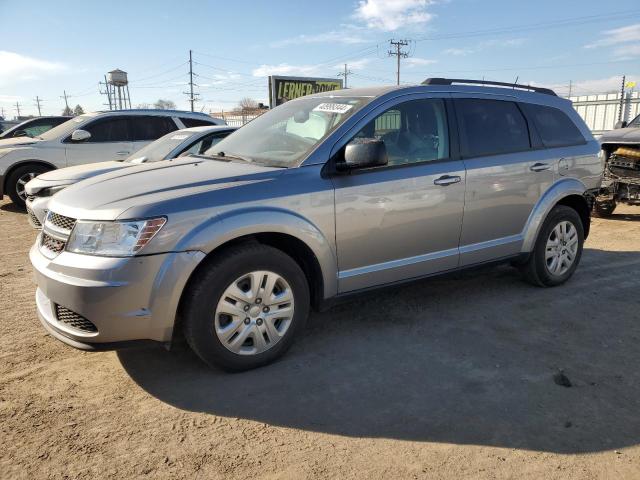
<point x="364" y="153"/>
<point x="80" y="135"/>
<point x="20" y="133"/>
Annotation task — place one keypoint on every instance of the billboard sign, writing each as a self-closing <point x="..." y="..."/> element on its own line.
<point x="282" y="89"/>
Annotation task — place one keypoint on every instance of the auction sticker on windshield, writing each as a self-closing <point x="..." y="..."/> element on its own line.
<point x="333" y="108"/>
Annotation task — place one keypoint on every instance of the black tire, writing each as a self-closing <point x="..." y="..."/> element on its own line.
<point x="535" y="269"/>
<point x="15" y="176"/>
<point x="210" y="282"/>
<point x="603" y="208"/>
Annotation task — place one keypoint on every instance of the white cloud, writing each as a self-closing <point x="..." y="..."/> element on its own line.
<point x="389" y="15"/>
<point x="16" y="67"/>
<point x="413" y="62"/>
<point x="354" y="64"/>
<point x="485" y="45"/>
<point x="617" y="36"/>
<point x="626" y="52"/>
<point x="285" y="69"/>
<point x="333" y="36"/>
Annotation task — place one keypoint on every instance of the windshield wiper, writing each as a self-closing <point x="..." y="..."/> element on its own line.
<point x="218" y="158"/>
<point x="234" y="156"/>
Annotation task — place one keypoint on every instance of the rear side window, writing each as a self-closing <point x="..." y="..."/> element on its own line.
<point x="151" y="127"/>
<point x="195" y="122"/>
<point x="555" y="128"/>
<point x="491" y="127"/>
<point x="112" y="129"/>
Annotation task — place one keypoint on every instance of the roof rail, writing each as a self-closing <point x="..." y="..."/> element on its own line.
<point x="451" y="81"/>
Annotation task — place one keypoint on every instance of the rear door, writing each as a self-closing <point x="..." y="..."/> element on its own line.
<point x="506" y="176"/>
<point x="110" y="140"/>
<point x="145" y="129"/>
<point x="401" y="220"/>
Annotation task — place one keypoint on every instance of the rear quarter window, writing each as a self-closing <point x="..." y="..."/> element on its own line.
<point x="195" y="122"/>
<point x="554" y="126"/>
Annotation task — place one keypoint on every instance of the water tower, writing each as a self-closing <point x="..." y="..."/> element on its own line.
<point x="118" y="90"/>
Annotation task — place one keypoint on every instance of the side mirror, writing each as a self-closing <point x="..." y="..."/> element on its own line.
<point x="80" y="135"/>
<point x="363" y="153"/>
<point x="20" y="133"/>
<point x="620" y="124"/>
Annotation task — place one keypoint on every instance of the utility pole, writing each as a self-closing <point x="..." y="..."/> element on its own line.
<point x="192" y="96"/>
<point x="621" y="98"/>
<point x="18" y="109"/>
<point x="570" y="88"/>
<point x="37" y="100"/>
<point x="345" y="74"/>
<point x="399" y="54"/>
<point x="66" y="101"/>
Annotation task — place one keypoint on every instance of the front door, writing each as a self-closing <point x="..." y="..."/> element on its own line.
<point x="110" y="140"/>
<point x="401" y="220"/>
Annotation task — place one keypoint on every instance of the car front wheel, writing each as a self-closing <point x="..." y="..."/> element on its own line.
<point x="19" y="178"/>
<point x="245" y="307"/>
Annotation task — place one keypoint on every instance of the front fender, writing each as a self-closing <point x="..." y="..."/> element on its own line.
<point x="559" y="190"/>
<point x="239" y="223"/>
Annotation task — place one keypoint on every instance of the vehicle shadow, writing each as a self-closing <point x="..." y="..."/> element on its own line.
<point x="12" y="207"/>
<point x="465" y="360"/>
<point x="627" y="217"/>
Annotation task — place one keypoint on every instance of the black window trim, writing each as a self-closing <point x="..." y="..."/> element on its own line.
<point x="456" y="102"/>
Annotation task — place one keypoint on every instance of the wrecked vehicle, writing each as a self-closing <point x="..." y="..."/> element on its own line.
<point x="621" y="179"/>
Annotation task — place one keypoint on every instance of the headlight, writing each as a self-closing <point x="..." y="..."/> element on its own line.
<point x="113" y="239"/>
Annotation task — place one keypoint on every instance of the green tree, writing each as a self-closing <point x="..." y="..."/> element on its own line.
<point x="78" y="110"/>
<point x="67" y="112"/>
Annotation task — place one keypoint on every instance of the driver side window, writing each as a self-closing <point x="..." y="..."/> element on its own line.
<point x="413" y="132"/>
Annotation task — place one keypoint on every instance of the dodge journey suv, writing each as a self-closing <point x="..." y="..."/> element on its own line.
<point x="316" y="200"/>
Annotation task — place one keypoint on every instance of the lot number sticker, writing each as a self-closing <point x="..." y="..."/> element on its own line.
<point x="333" y="108"/>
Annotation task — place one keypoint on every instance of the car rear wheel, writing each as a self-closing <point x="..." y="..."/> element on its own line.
<point x="245" y="307"/>
<point x="558" y="248"/>
<point x="19" y="178"/>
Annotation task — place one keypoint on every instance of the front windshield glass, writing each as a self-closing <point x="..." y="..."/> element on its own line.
<point x="284" y="136"/>
<point x="635" y="122"/>
<point x="65" y="128"/>
<point x="159" y="149"/>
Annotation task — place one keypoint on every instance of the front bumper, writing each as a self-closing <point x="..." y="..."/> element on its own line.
<point x="125" y="299"/>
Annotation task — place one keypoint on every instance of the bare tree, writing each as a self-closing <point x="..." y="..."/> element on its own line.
<point x="144" y="106"/>
<point x="78" y="110"/>
<point x="165" y="104"/>
<point x="67" y="112"/>
<point x="248" y="103"/>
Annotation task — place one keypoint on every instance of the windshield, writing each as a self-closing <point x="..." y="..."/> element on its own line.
<point x="65" y="128"/>
<point x="635" y="122"/>
<point x="159" y="149"/>
<point x="284" y="136"/>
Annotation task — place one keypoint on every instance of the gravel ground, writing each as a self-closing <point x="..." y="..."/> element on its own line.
<point x="449" y="378"/>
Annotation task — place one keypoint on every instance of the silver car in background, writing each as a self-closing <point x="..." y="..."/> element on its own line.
<point x="317" y="200"/>
<point x="195" y="140"/>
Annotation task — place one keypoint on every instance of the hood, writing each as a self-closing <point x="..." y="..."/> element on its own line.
<point x="71" y="175"/>
<point x="80" y="172"/>
<point x="17" y="142"/>
<point x="156" y="188"/>
<point x="622" y="135"/>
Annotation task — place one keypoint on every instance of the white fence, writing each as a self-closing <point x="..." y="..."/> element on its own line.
<point x="237" y="119"/>
<point x="601" y="112"/>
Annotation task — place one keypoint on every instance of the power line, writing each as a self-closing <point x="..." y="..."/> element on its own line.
<point x="398" y="54"/>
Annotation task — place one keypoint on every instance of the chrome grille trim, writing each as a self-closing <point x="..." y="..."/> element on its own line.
<point x="35" y="223"/>
<point x="54" y="245"/>
<point x="60" y="221"/>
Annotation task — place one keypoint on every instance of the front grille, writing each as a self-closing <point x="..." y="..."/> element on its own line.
<point x="34" y="220"/>
<point x="52" y="244"/>
<point x="74" y="320"/>
<point x="60" y="221"/>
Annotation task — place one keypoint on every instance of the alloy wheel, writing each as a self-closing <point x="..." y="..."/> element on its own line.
<point x="22" y="181"/>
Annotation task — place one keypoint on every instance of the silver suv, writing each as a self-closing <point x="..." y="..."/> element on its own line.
<point x="318" y="199"/>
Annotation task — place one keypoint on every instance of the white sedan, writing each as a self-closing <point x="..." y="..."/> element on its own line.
<point x="195" y="140"/>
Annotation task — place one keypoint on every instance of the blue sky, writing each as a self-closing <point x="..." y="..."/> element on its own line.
<point x="48" y="47"/>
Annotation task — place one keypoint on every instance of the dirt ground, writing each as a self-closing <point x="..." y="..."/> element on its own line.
<point x="449" y="378"/>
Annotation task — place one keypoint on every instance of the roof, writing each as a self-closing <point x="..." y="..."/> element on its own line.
<point x="156" y="111"/>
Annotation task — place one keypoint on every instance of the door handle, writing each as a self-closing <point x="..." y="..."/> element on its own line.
<point x="447" y="180"/>
<point x="539" y="167"/>
<point x="122" y="153"/>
